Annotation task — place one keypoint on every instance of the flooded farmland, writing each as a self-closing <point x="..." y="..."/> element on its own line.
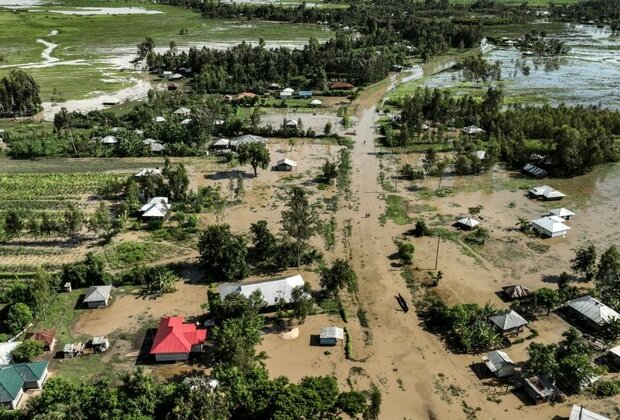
<point x="588" y="75"/>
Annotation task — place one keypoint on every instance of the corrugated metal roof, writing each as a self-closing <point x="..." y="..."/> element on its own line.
<point x="10" y="384"/>
<point x="593" y="309"/>
<point x="580" y="413"/>
<point x="97" y="293"/>
<point x="550" y="225"/>
<point x="496" y="359"/>
<point x="332" y="332"/>
<point x="508" y="321"/>
<point x="272" y="290"/>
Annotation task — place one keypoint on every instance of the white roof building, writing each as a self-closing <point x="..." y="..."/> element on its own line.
<point x="499" y="363"/>
<point x="247" y="139"/>
<point x="157" y="147"/>
<point x="175" y="76"/>
<point x="98" y="294"/>
<point x="316" y="102"/>
<point x="580" y="413"/>
<point x="186" y="121"/>
<point x="480" y="154"/>
<point x="159" y="119"/>
<point x="182" y="111"/>
<point x="547" y="193"/>
<point x="288" y="162"/>
<point x="592" y="309"/>
<point x="565" y="214"/>
<point x="109" y="140"/>
<point x="551" y="226"/>
<point x="468" y="222"/>
<point x="271" y="290"/>
<point x="156" y="208"/>
<point x="6" y="351"/>
<point x="472" y="129"/>
<point x="291" y="123"/>
<point x="148" y="172"/>
<point x="222" y="143"/>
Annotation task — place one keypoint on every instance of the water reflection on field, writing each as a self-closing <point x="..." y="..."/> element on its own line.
<point x="588" y="75"/>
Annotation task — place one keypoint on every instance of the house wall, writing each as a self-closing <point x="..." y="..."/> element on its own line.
<point x="328" y="341"/>
<point x="284" y="167"/>
<point x="96" y="304"/>
<point x="171" y="357"/>
<point x="504" y="371"/>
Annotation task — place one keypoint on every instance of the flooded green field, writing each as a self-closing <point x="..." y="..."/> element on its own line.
<point x="588" y="75"/>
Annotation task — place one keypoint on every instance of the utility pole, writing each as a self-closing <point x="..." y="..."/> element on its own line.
<point x="437" y="253"/>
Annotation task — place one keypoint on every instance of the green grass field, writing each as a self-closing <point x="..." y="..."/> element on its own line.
<point x="94" y="38"/>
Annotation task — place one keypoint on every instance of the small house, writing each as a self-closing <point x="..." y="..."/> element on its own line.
<point x="97" y="296"/>
<point x="329" y="336"/>
<point x="591" y="310"/>
<point x="534" y="171"/>
<point x="304" y="94"/>
<point x="156" y="147"/>
<point x="287" y="93"/>
<point x="109" y="140"/>
<point x="221" y="144"/>
<point x="467" y="223"/>
<point x="546" y="193"/>
<point x="156" y="208"/>
<point x="175" y="340"/>
<point x="148" y="171"/>
<point x="509" y="322"/>
<point x="67" y="287"/>
<point x="563" y="213"/>
<point x="175" y="76"/>
<point x="578" y="412"/>
<point x="516" y="291"/>
<point x="472" y="130"/>
<point x="550" y="226"/>
<point x="159" y="119"/>
<point x="15" y="379"/>
<point x="6" y="351"/>
<point x="613" y="357"/>
<point x="273" y="291"/>
<point x="291" y="124"/>
<point x="499" y="364"/>
<point x="316" y="103"/>
<point x="246" y="139"/>
<point x="286" y="165"/>
<point x="182" y="111"/>
<point x="47" y="337"/>
<point x="540" y="388"/>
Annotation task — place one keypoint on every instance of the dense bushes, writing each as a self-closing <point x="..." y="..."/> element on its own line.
<point x="19" y="95"/>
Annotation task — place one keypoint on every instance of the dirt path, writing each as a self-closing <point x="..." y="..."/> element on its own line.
<point x="404" y="359"/>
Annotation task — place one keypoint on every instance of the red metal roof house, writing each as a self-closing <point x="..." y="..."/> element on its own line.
<point x="175" y="340"/>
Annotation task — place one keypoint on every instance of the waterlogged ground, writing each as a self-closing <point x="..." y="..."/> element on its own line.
<point x="588" y="75"/>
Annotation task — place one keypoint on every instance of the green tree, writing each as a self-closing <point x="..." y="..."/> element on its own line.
<point x="339" y="275"/>
<point x="223" y="253"/>
<point x="405" y="251"/>
<point x="159" y="281"/>
<point x="239" y="189"/>
<point x="18" y="317"/>
<point x="235" y="341"/>
<point x="545" y="298"/>
<point x="329" y="171"/>
<point x="541" y="360"/>
<point x="263" y="242"/>
<point x="28" y="350"/>
<point x="299" y="220"/>
<point x="576" y="371"/>
<point x="302" y="302"/>
<point x="13" y="224"/>
<point x="101" y="221"/>
<point x="19" y="94"/>
<point x="327" y="130"/>
<point x="42" y="289"/>
<point x="352" y="403"/>
<point x="607" y="280"/>
<point x="236" y="305"/>
<point x="610" y="330"/>
<point x="256" y="154"/>
<point x="584" y="262"/>
<point x="201" y="402"/>
<point x="72" y="222"/>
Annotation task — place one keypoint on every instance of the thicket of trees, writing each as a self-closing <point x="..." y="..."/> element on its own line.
<point x="566" y="140"/>
<point x="19" y="95"/>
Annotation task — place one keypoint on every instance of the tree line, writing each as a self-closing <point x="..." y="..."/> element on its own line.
<point x="19" y="95"/>
<point x="568" y="141"/>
